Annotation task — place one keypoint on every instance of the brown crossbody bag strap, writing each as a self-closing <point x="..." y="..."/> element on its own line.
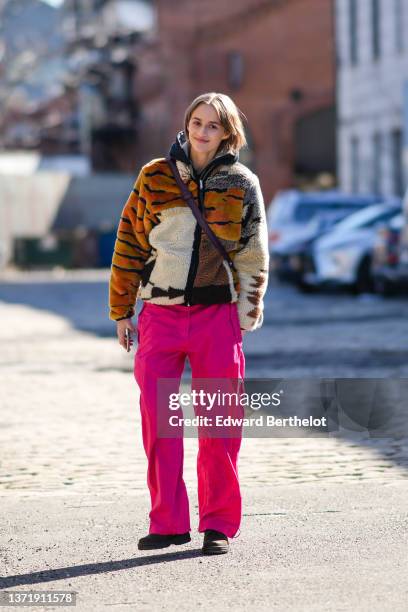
<point x="189" y="199"/>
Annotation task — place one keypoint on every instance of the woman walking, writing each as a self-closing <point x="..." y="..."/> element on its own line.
<point x="199" y="298"/>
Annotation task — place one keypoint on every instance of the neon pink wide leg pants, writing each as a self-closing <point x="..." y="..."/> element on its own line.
<point x="210" y="336"/>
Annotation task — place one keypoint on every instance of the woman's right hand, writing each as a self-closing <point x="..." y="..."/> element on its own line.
<point x="121" y="326"/>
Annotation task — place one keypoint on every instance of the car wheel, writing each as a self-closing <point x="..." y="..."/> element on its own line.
<point x="384" y="287"/>
<point x="305" y="287"/>
<point x="364" y="279"/>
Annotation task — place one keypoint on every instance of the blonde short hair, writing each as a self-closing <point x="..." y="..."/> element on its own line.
<point x="229" y="115"/>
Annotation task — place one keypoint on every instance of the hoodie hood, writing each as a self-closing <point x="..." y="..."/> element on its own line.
<point x="179" y="151"/>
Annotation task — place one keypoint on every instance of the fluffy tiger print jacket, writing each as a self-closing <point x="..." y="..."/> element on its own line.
<point x="161" y="255"/>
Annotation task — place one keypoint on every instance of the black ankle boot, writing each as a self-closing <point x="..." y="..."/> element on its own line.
<point x="159" y="540"/>
<point x="215" y="542"/>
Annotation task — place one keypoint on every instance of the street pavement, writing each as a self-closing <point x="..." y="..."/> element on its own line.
<point x="325" y="518"/>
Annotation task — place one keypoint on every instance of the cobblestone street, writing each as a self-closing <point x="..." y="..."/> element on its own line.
<point x="70" y="415"/>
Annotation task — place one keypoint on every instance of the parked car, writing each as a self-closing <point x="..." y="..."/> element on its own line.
<point x="296" y="219"/>
<point x="389" y="276"/>
<point x="343" y="256"/>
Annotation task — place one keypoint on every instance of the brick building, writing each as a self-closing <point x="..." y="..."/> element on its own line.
<point x="275" y="58"/>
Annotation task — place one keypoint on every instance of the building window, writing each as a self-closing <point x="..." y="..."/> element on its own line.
<point x="355" y="164"/>
<point x="353" y="29"/>
<point x="375" y="28"/>
<point x="399" y="25"/>
<point x="397" y="169"/>
<point x="235" y="69"/>
<point x="377" y="154"/>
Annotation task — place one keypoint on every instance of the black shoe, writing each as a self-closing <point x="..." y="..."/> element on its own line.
<point x="215" y="542"/>
<point x="158" y="540"/>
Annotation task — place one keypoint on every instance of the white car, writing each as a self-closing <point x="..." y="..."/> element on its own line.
<point x="296" y="218"/>
<point x="343" y="256"/>
<point x="292" y="213"/>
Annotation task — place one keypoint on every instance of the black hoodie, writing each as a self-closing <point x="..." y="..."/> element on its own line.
<point x="180" y="150"/>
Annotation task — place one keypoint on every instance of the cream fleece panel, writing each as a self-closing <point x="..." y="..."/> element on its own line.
<point x="252" y="259"/>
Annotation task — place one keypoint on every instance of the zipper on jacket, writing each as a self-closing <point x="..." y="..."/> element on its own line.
<point x="196" y="246"/>
<point x="192" y="272"/>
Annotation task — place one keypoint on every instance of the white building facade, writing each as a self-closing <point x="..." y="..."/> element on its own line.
<point x="372" y="98"/>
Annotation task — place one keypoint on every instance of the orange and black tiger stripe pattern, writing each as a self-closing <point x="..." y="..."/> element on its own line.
<point x="161" y="254"/>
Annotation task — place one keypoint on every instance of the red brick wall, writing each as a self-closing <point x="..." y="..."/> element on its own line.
<point x="285" y="45"/>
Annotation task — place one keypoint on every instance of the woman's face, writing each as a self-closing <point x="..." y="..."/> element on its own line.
<point x="205" y="131"/>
